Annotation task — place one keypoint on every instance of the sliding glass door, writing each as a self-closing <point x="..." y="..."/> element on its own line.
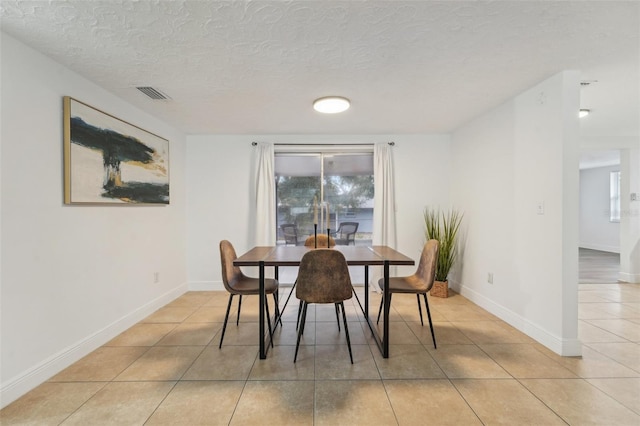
<point x="343" y="180"/>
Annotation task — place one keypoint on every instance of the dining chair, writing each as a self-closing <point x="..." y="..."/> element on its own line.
<point x="239" y="284"/>
<point x="323" y="277"/>
<point x="419" y="283"/>
<point x="322" y="241"/>
<point x="346" y="233"/>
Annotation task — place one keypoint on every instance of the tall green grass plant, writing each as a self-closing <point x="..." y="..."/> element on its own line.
<point x="443" y="226"/>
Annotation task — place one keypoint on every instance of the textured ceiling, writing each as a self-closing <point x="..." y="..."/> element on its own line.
<point x="408" y="66"/>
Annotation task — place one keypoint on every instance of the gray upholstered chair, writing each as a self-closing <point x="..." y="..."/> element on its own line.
<point x="419" y="283"/>
<point x="323" y="277"/>
<point x="237" y="283"/>
<point x="346" y="233"/>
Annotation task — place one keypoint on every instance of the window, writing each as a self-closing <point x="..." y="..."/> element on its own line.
<point x="614" y="193"/>
<point x="344" y="180"/>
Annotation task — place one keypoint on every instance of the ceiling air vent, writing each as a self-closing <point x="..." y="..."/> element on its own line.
<point x="152" y="93"/>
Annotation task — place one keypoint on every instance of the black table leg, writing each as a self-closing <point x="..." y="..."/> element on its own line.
<point x="263" y="300"/>
<point x="366" y="292"/>
<point x="387" y="305"/>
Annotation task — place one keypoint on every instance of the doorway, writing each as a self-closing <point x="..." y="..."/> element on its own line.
<point x="599" y="237"/>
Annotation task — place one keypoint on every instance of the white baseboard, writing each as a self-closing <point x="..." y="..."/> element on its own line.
<point x="600" y="247"/>
<point x="629" y="278"/>
<point x="561" y="346"/>
<point x="15" y="387"/>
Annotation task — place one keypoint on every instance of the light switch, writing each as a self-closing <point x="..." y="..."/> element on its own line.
<point x="541" y="207"/>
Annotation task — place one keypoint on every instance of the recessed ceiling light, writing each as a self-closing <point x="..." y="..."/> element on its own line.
<point x="584" y="113"/>
<point x="331" y="104"/>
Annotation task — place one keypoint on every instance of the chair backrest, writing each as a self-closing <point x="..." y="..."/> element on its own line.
<point x="348" y="228"/>
<point x="230" y="273"/>
<point x="322" y="241"/>
<point x="323" y="277"/>
<point x="426" y="271"/>
<point x="290" y="232"/>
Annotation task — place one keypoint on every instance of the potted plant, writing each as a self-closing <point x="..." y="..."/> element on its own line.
<point x="443" y="226"/>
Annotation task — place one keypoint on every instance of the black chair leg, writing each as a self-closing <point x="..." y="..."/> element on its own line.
<point x="420" y="309"/>
<point x="226" y="317"/>
<point x="300" y="311"/>
<point x="299" y="314"/>
<point x="239" y="307"/>
<point x="433" y="335"/>
<point x="338" y="314"/>
<point x="346" y="330"/>
<point x="301" y="328"/>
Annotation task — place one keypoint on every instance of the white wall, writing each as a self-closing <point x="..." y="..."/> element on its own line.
<point x="506" y="165"/>
<point x="219" y="190"/>
<point x="596" y="231"/>
<point x="630" y="215"/>
<point x="72" y="276"/>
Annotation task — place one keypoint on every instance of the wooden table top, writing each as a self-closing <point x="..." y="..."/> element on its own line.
<point x="291" y="255"/>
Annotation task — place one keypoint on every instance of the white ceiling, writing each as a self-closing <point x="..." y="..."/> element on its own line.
<point x="408" y="66"/>
<point x="599" y="158"/>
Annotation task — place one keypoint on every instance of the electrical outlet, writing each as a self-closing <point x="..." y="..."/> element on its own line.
<point x="156" y="277"/>
<point x="490" y="277"/>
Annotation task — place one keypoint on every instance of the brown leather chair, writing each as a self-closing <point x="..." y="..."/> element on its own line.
<point x="419" y="283"/>
<point x="237" y="283"/>
<point x="323" y="277"/>
<point x="322" y="241"/>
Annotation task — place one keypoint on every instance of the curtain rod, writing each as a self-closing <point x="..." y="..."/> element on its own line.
<point x="324" y="144"/>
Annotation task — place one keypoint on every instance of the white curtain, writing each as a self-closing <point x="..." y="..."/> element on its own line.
<point x="384" y="206"/>
<point x="265" y="196"/>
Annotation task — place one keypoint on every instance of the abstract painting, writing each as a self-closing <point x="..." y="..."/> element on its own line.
<point x="107" y="160"/>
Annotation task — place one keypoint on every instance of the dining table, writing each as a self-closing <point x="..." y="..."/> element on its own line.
<point x="286" y="256"/>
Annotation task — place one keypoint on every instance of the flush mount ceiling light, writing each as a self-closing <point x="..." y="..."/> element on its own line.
<point x="331" y="104"/>
<point x="584" y="113"/>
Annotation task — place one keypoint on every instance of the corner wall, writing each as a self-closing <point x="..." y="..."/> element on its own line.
<point x="72" y="277"/>
<point x="630" y="215"/>
<point x="515" y="176"/>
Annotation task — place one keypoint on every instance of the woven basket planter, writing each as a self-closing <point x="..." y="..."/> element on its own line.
<point x="440" y="289"/>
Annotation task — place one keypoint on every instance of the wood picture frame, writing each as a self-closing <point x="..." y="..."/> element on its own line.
<point x="110" y="161"/>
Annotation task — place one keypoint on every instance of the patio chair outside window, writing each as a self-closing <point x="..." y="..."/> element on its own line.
<point x="346" y="233"/>
<point x="290" y="233"/>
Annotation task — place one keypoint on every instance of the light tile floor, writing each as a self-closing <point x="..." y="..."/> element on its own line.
<point x="168" y="370"/>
